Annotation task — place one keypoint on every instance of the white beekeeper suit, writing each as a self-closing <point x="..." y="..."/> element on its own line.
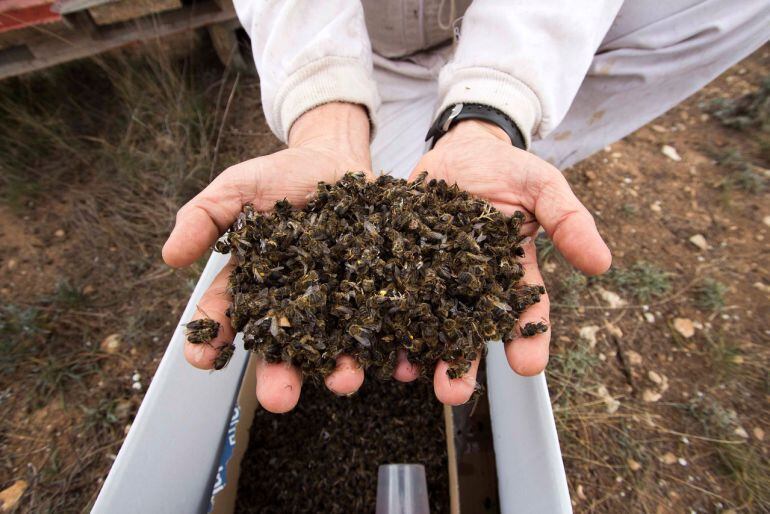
<point x="575" y="75"/>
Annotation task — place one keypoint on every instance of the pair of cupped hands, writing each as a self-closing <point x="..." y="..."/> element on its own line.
<point x="326" y="142"/>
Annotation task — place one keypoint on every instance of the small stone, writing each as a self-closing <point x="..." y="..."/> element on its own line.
<point x="685" y="327"/>
<point x="59" y="233"/>
<point x="11" y="264"/>
<point x="10" y="496"/>
<point x="634" y="358"/>
<point x="759" y="434"/>
<point x="659" y="129"/>
<point x="588" y="334"/>
<point x="737" y="359"/>
<point x="699" y="241"/>
<point x="650" y="396"/>
<point x="581" y="493"/>
<point x="649" y="317"/>
<point x="762" y="287"/>
<point x="136" y="386"/>
<point x="111" y="343"/>
<point x="741" y="432"/>
<point x="613" y="329"/>
<point x="681" y="461"/>
<point x="669" y="458"/>
<point x="611" y="403"/>
<point x="136" y="377"/>
<point x="633" y="465"/>
<point x="654" y="377"/>
<point x="670" y="152"/>
<point x="88" y="289"/>
<point x="655" y="206"/>
<point x="613" y="299"/>
<point x="766" y="221"/>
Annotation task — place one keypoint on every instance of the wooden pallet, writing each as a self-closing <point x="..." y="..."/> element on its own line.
<point x="79" y="33"/>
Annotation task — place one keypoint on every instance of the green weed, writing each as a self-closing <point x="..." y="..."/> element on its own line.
<point x="644" y="280"/>
<point x="710" y="295"/>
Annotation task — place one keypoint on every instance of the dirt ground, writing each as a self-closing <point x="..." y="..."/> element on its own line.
<point x="659" y="374"/>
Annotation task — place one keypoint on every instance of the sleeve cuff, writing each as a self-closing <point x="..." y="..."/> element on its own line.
<point x="496" y="89"/>
<point x="330" y="79"/>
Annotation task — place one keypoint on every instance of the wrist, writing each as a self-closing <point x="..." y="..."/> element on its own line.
<point x="474" y="129"/>
<point x="343" y="127"/>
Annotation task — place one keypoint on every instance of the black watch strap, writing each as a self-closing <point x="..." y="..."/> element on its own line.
<point x="459" y="112"/>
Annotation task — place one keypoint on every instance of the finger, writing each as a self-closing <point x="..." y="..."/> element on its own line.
<point x="346" y="378"/>
<point x="204" y="218"/>
<point x="278" y="386"/>
<point x="569" y="224"/>
<point x="528" y="356"/>
<point x="454" y="391"/>
<point x="212" y="304"/>
<point x="405" y="371"/>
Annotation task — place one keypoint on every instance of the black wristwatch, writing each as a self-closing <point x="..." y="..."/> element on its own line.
<point x="458" y="112"/>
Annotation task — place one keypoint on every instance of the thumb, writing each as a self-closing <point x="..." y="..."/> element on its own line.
<point x="209" y="214"/>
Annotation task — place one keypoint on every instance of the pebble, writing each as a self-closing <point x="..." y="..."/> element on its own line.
<point x="611" y="403"/>
<point x="659" y="128"/>
<point x="613" y="299"/>
<point x="685" y="327"/>
<point x="766" y="220"/>
<point x="10" y="496"/>
<point x="650" y="317"/>
<point x="654" y="377"/>
<point x="59" y="233"/>
<point x="700" y="241"/>
<point x="136" y="377"/>
<point x="633" y="465"/>
<point x="588" y="333"/>
<point x="136" y="386"/>
<point x="634" y="358"/>
<point x="762" y="287"/>
<point x="650" y="396"/>
<point x="668" y="458"/>
<point x="12" y="263"/>
<point x="670" y="152"/>
<point x="613" y="329"/>
<point x="655" y="206"/>
<point x="111" y="343"/>
<point x="741" y="432"/>
<point x="759" y="434"/>
<point x="681" y="461"/>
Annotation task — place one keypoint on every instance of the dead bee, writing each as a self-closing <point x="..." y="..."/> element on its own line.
<point x="222" y="246"/>
<point x="223" y="356"/>
<point x="532" y="329"/>
<point x="201" y="330"/>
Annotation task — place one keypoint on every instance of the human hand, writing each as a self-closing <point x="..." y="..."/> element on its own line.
<point x="324" y="144"/>
<point x="479" y="157"/>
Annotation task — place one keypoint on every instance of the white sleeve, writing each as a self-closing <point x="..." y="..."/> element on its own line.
<point x="309" y="53"/>
<point x="526" y="58"/>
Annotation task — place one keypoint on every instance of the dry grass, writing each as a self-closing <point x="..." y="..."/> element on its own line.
<point x="104" y="151"/>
